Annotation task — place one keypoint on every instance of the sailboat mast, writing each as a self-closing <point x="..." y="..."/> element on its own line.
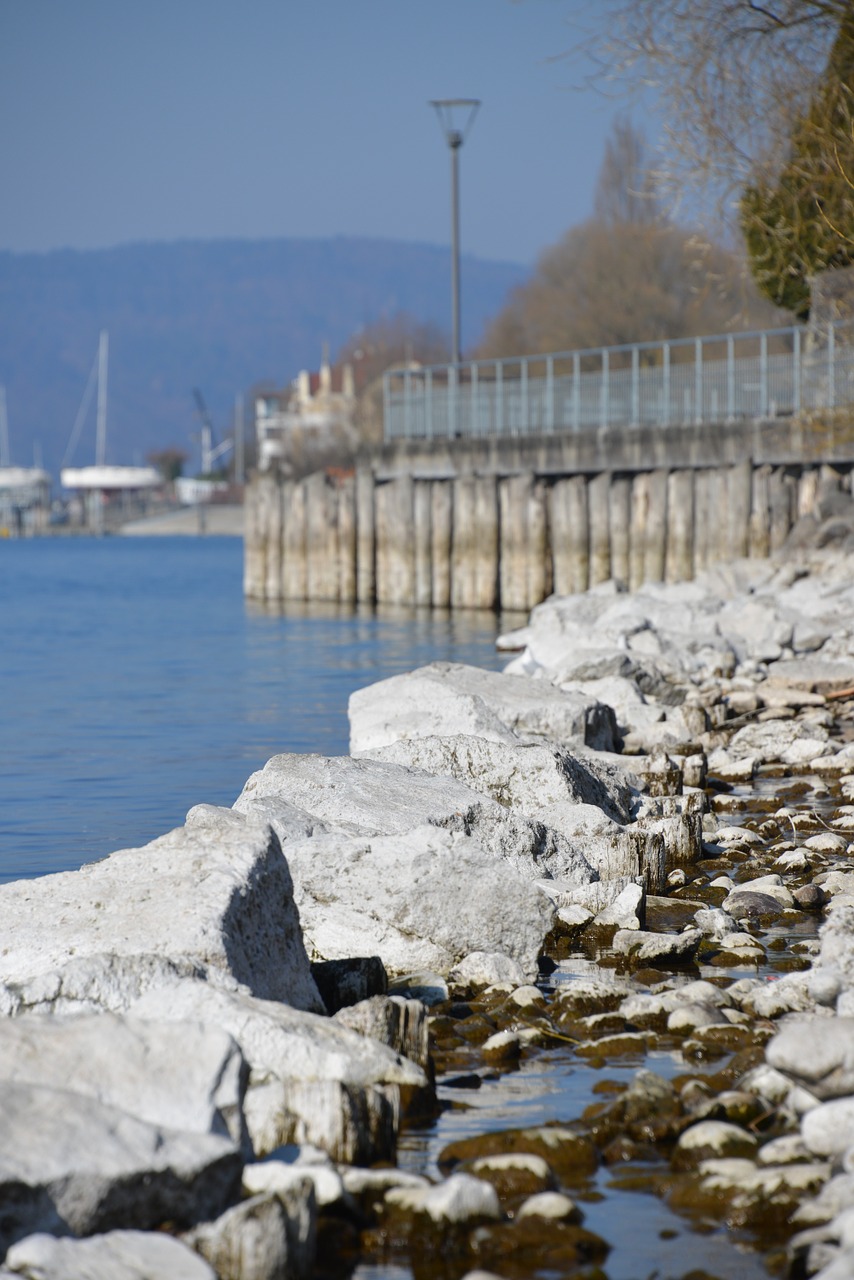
<point x="4" y="430"/>
<point x="101" y="431"/>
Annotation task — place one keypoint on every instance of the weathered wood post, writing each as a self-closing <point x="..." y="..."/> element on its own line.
<point x="365" y="537"/>
<point x="294" y="578"/>
<point x="442" y="522"/>
<point x="570" y="538"/>
<point x="619" y="525"/>
<point x="395" y="535"/>
<point x="598" y="501"/>
<point x="679" y="562"/>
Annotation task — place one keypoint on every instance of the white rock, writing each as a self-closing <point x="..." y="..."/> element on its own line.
<point x="484" y="968"/>
<point x="527" y="776"/>
<point x="279" y="1041"/>
<point x="369" y="797"/>
<point x="689" y="1017"/>
<point x="828" y="1129"/>
<point x="68" y="1159"/>
<point x="818" y="1052"/>
<point x="280" y="1178"/>
<point x="116" y="1255"/>
<point x="177" y="1076"/>
<point x="215" y="894"/>
<point x="447" y="698"/>
<point x="656" y="947"/>
<point x="553" y="1205"/>
<point x="423" y="900"/>
<point x="263" y="1238"/>
<point x="626" y="911"/>
<point x="459" y="1198"/>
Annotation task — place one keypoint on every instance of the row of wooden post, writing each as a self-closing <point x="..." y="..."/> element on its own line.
<point x="489" y="541"/>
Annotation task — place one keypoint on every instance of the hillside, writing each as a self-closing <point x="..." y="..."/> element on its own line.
<point x="223" y="316"/>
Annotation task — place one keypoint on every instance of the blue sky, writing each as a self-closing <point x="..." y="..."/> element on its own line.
<point x="126" y="121"/>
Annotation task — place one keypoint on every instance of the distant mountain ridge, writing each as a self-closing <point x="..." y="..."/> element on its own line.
<point x="222" y="315"/>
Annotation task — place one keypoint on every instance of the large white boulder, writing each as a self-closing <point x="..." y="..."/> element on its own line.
<point x="377" y="797"/>
<point x="447" y="697"/>
<point x="69" y="1163"/>
<point x="420" y="901"/>
<point x="214" y="895"/>
<point x="313" y="1079"/>
<point x="277" y="1040"/>
<point x="185" y="1076"/>
<point x="528" y="776"/>
<point x="116" y="1255"/>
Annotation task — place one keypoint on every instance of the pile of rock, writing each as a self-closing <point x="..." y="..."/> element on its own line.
<point x="204" y="1062"/>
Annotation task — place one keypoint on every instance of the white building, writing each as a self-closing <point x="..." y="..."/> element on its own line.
<point x="313" y="403"/>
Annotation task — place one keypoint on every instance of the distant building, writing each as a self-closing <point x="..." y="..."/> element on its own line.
<point x="321" y="403"/>
<point x="24" y="500"/>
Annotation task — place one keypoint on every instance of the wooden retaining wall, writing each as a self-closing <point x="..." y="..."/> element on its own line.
<point x="493" y="540"/>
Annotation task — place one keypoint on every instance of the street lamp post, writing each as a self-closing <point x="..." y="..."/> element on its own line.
<point x="456" y="117"/>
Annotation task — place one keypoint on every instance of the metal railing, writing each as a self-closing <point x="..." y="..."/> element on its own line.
<point x="762" y="374"/>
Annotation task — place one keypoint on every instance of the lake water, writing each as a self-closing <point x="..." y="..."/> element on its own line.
<point x="135" y="682"/>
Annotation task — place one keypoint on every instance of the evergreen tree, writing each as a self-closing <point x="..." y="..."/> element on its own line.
<point x="803" y="223"/>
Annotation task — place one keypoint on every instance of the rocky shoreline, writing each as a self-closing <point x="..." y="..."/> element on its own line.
<point x="212" y="1043"/>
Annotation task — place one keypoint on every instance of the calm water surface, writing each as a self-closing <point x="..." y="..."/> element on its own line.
<point x="135" y="682"/>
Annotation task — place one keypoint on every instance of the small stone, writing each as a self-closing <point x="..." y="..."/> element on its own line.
<point x="550" y="1204"/>
<point x="689" y="1017"/>
<point x="504" y="1046"/>
<point x="713" y="1140"/>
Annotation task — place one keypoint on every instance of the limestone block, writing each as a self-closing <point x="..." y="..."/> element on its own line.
<point x="422" y="900"/>
<point x="441" y="519"/>
<point x="526" y="776"/>
<point x="279" y="1041"/>
<point x="374" y="797"/>
<point x="445" y="698"/>
<point x="187" y="1076"/>
<point x="215" y="894"/>
<point x="68" y="1161"/>
<point x="116" y="1255"/>
<point x="267" y="1237"/>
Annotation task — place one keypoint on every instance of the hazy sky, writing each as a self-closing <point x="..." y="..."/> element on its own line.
<point x="128" y="120"/>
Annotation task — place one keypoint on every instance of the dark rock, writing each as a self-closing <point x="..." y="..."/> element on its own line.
<point x="345" y="982"/>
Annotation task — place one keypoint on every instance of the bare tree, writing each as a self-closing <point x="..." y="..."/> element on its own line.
<point x="611" y="285"/>
<point x="626" y="187"/>
<point x="731" y="77"/>
<point x="628" y="275"/>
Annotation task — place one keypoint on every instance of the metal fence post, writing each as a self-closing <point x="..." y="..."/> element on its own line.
<point x="698" y="381"/>
<point x="428" y="398"/>
<point x="387" y="431"/>
<point x="796" y="372"/>
<point x="499" y="396"/>
<point x="635" y="387"/>
<point x="407" y="398"/>
<point x="550" y="394"/>
<point x="763" y="375"/>
<point x="524" y="423"/>
<point x="452" y="400"/>
<point x="604" y="406"/>
<point x="474" y="402"/>
<point x="730" y="378"/>
<point x="665" y="362"/>
<point x="576" y="391"/>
